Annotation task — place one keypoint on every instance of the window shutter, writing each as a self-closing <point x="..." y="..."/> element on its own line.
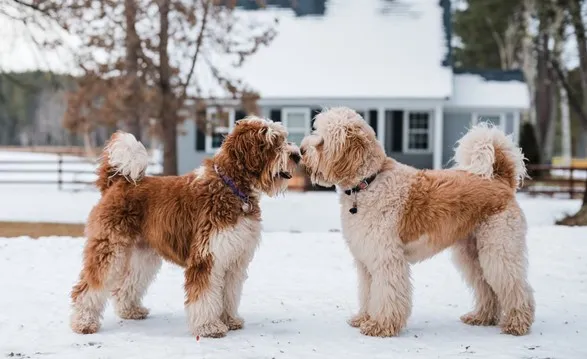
<point x="200" y="134"/>
<point x="239" y="115"/>
<point x="397" y="130"/>
<point x="200" y="139"/>
<point x="275" y="114"/>
<point x="313" y="113"/>
<point x="373" y="119"/>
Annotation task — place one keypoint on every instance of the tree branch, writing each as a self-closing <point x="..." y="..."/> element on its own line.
<point x="198" y="47"/>
<point x="573" y="101"/>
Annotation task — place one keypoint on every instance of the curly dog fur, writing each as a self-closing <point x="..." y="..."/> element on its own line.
<point x="207" y="222"/>
<point x="405" y="215"/>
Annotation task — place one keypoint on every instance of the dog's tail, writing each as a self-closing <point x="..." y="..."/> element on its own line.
<point x="486" y="151"/>
<point x="123" y="157"/>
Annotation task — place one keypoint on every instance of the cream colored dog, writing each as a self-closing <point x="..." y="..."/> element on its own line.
<point x="394" y="215"/>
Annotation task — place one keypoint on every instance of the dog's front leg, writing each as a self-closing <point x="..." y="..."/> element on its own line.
<point x="390" y="299"/>
<point x="234" y="280"/>
<point x="204" y="283"/>
<point x="364" y="281"/>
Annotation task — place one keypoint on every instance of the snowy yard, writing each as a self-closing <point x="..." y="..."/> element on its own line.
<point x="300" y="291"/>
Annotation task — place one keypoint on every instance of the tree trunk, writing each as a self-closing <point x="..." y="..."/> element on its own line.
<point x="543" y="90"/>
<point x="132" y="42"/>
<point x="168" y="110"/>
<point x="528" y="58"/>
<point x="566" y="128"/>
<point x="579" y="218"/>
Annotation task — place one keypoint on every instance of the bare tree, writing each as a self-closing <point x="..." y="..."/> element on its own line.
<point x="162" y="63"/>
<point x="579" y="105"/>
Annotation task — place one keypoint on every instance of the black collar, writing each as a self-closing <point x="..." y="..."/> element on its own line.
<point x="365" y="182"/>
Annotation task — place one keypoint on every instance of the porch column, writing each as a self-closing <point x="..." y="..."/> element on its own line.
<point x="381" y="125"/>
<point x="438" y="130"/>
<point x="516" y="134"/>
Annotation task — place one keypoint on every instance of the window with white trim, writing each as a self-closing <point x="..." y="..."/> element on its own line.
<point x="297" y="122"/>
<point x="218" y="125"/>
<point x="417" y="131"/>
<point x="497" y="119"/>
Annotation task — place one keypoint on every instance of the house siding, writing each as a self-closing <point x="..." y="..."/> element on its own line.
<point x="455" y="126"/>
<point x="509" y="123"/>
<point x="418" y="160"/>
<point x="188" y="158"/>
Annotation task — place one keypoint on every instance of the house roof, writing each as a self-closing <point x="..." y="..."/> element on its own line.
<point x="489" y="89"/>
<point x="358" y="49"/>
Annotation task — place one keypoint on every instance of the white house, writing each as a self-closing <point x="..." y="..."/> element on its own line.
<point x="389" y="60"/>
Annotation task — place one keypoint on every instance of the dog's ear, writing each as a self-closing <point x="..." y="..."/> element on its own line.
<point x="349" y="155"/>
<point x="249" y="148"/>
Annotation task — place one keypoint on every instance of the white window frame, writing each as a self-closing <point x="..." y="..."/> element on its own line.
<point x="213" y="110"/>
<point x="476" y="115"/>
<point x="406" y="132"/>
<point x="305" y="111"/>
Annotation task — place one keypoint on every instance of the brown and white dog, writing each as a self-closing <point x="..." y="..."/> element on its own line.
<point x="208" y="222"/>
<point x="394" y="215"/>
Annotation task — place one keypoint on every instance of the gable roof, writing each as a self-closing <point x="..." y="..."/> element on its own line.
<point x="358" y="49"/>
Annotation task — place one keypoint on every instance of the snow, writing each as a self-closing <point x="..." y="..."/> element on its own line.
<point x="300" y="291"/>
<point x="74" y="168"/>
<point x="356" y="51"/>
<point x="473" y="91"/>
<point x="294" y="212"/>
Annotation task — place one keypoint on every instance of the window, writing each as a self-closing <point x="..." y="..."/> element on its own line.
<point x="417" y="130"/>
<point x="297" y="122"/>
<point x="497" y="119"/>
<point x="218" y="125"/>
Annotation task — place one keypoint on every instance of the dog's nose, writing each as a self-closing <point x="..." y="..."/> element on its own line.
<point x="302" y="150"/>
<point x="295" y="157"/>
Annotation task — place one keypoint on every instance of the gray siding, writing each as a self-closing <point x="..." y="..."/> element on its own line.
<point x="509" y="123"/>
<point x="455" y="126"/>
<point x="188" y="158"/>
<point x="418" y="160"/>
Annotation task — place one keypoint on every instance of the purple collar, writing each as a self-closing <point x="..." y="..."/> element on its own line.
<point x="237" y="192"/>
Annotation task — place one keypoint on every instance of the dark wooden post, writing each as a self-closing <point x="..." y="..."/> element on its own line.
<point x="59" y="172"/>
<point x="571" y="183"/>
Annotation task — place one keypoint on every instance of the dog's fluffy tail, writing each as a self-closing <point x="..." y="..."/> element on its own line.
<point x="123" y="157"/>
<point x="486" y="151"/>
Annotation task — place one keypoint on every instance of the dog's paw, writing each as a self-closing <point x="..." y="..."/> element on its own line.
<point x="215" y="329"/>
<point x="133" y="313"/>
<point x="356" y="320"/>
<point x="84" y="325"/>
<point x="373" y="328"/>
<point x="481" y="319"/>
<point x="234" y="323"/>
<point x="517" y="322"/>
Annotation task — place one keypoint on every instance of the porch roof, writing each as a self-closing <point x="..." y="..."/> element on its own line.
<point x="478" y="90"/>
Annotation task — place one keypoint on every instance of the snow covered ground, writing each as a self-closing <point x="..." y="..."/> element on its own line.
<point x="300" y="291"/>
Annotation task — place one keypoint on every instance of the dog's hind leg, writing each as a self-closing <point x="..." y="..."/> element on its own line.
<point x="503" y="257"/>
<point x="130" y="288"/>
<point x="466" y="259"/>
<point x="104" y="260"/>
